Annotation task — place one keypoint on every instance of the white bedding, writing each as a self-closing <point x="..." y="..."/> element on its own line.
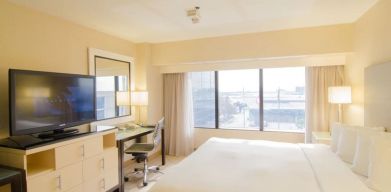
<point x="234" y="165"/>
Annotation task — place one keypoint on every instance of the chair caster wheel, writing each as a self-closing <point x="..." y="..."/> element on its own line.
<point x="158" y="168"/>
<point x="126" y="179"/>
<point x="145" y="184"/>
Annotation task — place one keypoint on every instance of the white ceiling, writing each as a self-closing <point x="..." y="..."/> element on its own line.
<point x="165" y="20"/>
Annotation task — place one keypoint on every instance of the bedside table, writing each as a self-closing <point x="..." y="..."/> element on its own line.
<point x="321" y="137"/>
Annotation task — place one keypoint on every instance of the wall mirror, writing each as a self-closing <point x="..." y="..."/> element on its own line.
<point x="113" y="83"/>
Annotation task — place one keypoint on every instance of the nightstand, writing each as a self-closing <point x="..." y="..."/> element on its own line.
<point x="321" y="137"/>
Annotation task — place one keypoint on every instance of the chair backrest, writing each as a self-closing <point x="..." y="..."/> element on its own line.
<point x="157" y="133"/>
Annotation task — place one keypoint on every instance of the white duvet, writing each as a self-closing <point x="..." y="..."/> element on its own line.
<point x="234" y="165"/>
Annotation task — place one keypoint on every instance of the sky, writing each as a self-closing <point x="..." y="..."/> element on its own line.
<point x="273" y="78"/>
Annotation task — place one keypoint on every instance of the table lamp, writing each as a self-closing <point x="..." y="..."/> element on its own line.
<point x="340" y="95"/>
<point x="123" y="98"/>
<point x="139" y="99"/>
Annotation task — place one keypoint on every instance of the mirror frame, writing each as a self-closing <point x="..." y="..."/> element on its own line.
<point x="93" y="53"/>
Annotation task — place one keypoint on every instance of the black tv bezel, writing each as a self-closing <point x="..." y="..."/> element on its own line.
<point x="11" y="99"/>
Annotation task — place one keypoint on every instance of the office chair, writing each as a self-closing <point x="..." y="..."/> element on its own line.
<point x="140" y="151"/>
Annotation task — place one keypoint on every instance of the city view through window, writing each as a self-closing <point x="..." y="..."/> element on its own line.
<point x="239" y="99"/>
<point x="284" y="99"/>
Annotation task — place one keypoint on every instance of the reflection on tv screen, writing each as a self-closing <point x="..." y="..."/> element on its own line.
<point x="46" y="100"/>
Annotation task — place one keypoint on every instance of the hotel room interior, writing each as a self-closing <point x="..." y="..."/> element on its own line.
<point x="195" y="95"/>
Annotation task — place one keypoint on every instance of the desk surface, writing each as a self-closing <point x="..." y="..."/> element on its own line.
<point x="132" y="132"/>
<point x="6" y="173"/>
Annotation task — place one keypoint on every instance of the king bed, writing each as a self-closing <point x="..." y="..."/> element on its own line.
<point x="233" y="165"/>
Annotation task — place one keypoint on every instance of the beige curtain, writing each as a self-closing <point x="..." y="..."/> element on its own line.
<point x="319" y="112"/>
<point x="178" y="113"/>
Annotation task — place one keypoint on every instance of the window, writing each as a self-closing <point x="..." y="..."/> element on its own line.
<point x="239" y="99"/>
<point x="254" y="99"/>
<point x="203" y="85"/>
<point x="284" y="99"/>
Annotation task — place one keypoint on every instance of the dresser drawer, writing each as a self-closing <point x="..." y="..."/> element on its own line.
<point x="45" y="183"/>
<point x="78" y="188"/>
<point x="93" y="167"/>
<point x="76" y="152"/>
<point x="69" y="154"/>
<point x="94" y="184"/>
<point x="70" y="176"/>
<point x="93" y="146"/>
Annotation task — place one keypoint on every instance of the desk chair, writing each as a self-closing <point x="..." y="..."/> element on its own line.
<point x="140" y="151"/>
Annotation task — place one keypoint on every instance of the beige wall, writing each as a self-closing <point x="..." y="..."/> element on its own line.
<point x="36" y="41"/>
<point x="150" y="79"/>
<point x="318" y="41"/>
<point x="372" y="45"/>
<point x="305" y="41"/>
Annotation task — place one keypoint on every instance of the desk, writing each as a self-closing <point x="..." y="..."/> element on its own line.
<point x="13" y="176"/>
<point x="129" y="134"/>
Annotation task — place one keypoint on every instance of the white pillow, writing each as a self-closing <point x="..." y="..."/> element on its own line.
<point x="347" y="143"/>
<point x="335" y="133"/>
<point x="380" y="163"/>
<point x="361" y="157"/>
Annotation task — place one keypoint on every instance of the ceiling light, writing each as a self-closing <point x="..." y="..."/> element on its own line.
<point x="194" y="14"/>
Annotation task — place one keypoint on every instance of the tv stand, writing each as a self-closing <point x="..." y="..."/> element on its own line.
<point x="58" y="134"/>
<point x="85" y="163"/>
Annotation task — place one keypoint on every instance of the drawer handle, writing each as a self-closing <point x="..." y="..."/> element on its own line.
<point x="59" y="182"/>
<point x="82" y="151"/>
<point x="103" y="186"/>
<point x="102" y="166"/>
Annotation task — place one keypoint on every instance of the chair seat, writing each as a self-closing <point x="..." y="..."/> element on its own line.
<point x="139" y="148"/>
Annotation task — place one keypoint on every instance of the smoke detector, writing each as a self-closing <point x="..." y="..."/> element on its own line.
<point x="194" y="14"/>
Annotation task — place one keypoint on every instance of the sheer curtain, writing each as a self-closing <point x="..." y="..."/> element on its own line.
<point x="319" y="112"/>
<point x="178" y="113"/>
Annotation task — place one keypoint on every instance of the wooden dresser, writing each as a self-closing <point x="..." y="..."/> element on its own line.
<point x="84" y="164"/>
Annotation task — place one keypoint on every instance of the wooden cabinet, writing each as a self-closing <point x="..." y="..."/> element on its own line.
<point x="78" y="188"/>
<point x="70" y="176"/>
<point x="45" y="183"/>
<point x="96" y="185"/>
<point x="93" y="167"/>
<point x="69" y="154"/>
<point x="101" y="171"/>
<point x="88" y="164"/>
<point x="93" y="147"/>
<point x="111" y="168"/>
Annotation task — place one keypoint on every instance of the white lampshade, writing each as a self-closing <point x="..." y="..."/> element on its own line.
<point x="123" y="98"/>
<point x="139" y="98"/>
<point x="340" y="95"/>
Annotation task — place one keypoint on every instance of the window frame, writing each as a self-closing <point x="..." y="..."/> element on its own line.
<point x="261" y="105"/>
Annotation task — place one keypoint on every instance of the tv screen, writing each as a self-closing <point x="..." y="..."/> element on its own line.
<point x="42" y="101"/>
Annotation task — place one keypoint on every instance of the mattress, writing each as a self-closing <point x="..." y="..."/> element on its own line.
<point x="236" y="165"/>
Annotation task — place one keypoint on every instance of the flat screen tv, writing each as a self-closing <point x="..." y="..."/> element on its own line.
<point x="43" y="101"/>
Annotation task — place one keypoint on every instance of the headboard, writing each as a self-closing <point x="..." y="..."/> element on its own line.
<point x="377" y="96"/>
